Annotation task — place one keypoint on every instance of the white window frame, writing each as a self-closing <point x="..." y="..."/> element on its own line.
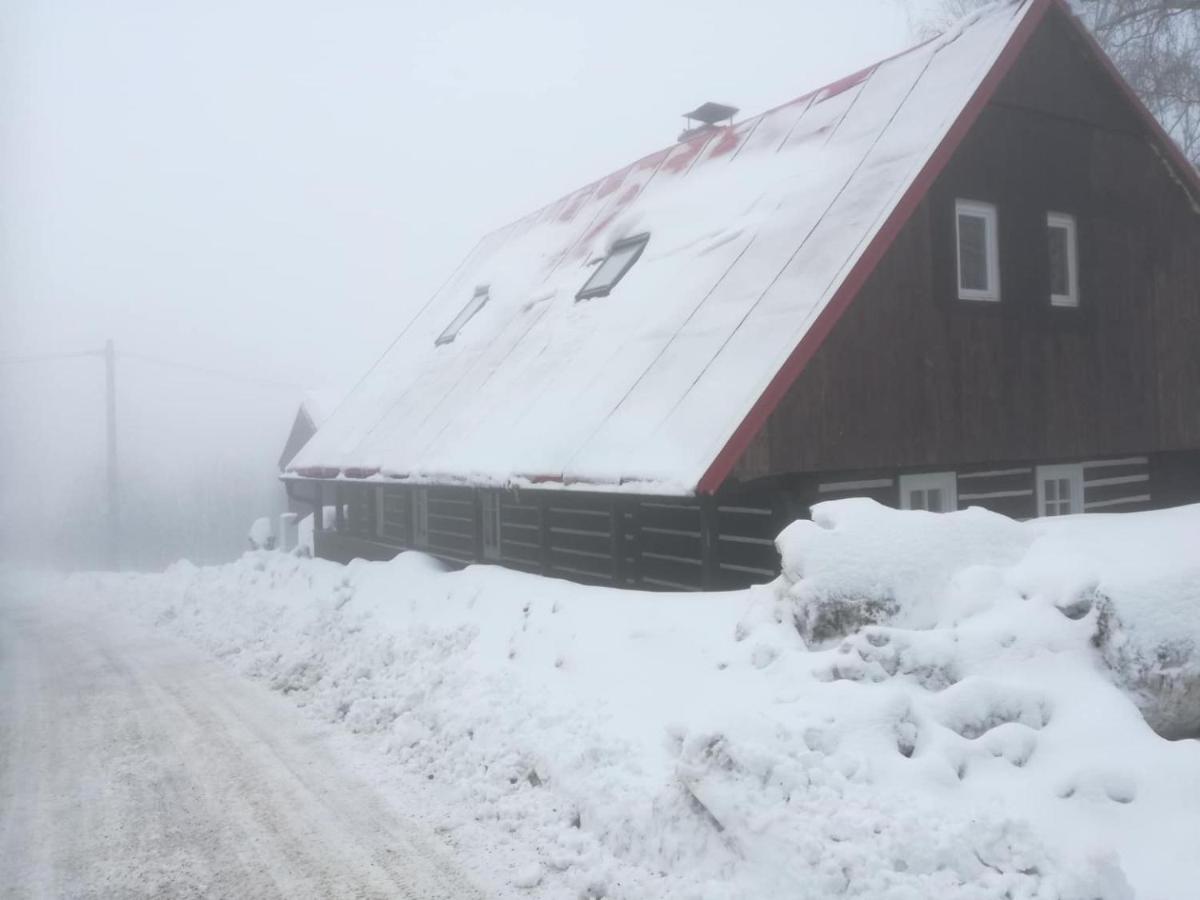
<point x="946" y="482"/>
<point x="987" y="212"/>
<point x="593" y="288"/>
<point x="1066" y="222"/>
<point x="420" y="517"/>
<point x="489" y="525"/>
<point x="1073" y="473"/>
<point x="477" y="302"/>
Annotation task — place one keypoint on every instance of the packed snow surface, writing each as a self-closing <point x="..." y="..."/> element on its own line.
<point x="922" y="705"/>
<point x="133" y="765"/>
<point x="752" y="231"/>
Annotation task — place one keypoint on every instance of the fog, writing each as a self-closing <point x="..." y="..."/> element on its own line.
<point x="249" y="198"/>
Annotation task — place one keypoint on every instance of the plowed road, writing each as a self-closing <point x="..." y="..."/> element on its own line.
<point x="131" y="766"/>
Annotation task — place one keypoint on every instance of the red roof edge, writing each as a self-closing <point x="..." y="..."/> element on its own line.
<point x="779" y="385"/>
<point x="361" y="472"/>
<point x="543" y="479"/>
<point x="323" y="472"/>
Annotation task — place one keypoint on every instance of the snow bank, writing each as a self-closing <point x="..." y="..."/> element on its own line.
<point x="1133" y="582"/>
<point x="921" y="706"/>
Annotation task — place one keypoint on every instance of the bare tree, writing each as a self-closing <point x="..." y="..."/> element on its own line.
<point x="1154" y="43"/>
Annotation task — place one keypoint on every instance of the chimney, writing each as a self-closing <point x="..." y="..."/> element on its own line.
<point x="706" y="117"/>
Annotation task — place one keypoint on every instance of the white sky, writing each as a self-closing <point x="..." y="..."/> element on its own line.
<point x="270" y="186"/>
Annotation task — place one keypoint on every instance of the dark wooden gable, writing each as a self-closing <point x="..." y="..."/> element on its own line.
<point x="913" y="376"/>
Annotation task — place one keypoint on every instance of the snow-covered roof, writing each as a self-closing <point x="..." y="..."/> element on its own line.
<point x="319" y="403"/>
<point x="759" y="234"/>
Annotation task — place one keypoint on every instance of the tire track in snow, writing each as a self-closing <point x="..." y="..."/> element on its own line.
<point x="130" y="766"/>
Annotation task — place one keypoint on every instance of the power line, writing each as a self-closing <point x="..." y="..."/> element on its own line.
<point x="47" y="357"/>
<point x="157" y="361"/>
<point x="204" y="370"/>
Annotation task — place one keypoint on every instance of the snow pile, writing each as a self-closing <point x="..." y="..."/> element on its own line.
<point x="922" y="705"/>
<point x="261" y="535"/>
<point x="1132" y="581"/>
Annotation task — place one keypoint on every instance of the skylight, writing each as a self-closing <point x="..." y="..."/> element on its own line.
<point x="474" y="305"/>
<point x="612" y="269"/>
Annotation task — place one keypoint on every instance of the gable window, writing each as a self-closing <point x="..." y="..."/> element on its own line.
<point x="613" y="267"/>
<point x="474" y="305"/>
<point x="934" y="491"/>
<point x="978" y="251"/>
<point x="491" y="525"/>
<point x="1064" y="260"/>
<point x="1060" y="490"/>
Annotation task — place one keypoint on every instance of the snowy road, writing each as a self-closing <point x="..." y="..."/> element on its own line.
<point x="131" y="766"/>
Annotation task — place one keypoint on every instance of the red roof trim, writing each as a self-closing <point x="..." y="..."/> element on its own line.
<point x="542" y="479"/>
<point x="779" y="385"/>
<point x="317" y="472"/>
<point x="360" y="472"/>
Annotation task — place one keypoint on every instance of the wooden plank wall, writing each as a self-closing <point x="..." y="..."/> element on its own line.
<point x="578" y="534"/>
<point x="656" y="543"/>
<point x="520" y="531"/>
<point x="1121" y="484"/>
<point x="714" y="543"/>
<point x="1117" y="485"/>
<point x="453" y="523"/>
<point x="395" y="525"/>
<point x="746" y="528"/>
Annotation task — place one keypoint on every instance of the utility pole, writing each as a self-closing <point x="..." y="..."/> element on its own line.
<point x="114" y="516"/>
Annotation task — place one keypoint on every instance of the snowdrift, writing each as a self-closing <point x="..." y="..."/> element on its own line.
<point x="922" y="705"/>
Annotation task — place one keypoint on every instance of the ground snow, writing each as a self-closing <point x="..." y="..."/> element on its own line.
<point x="920" y="706"/>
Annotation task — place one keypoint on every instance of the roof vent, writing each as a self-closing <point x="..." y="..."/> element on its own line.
<point x="705" y="117"/>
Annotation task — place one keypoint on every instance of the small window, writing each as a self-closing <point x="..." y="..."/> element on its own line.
<point x="613" y="267"/>
<point x="420" y="517"/>
<point x="1060" y="490"/>
<point x="491" y="525"/>
<point x="1064" y="260"/>
<point x="978" y="251"/>
<point x="933" y="491"/>
<point x="474" y="305"/>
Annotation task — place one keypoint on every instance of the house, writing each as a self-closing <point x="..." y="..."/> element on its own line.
<point x="967" y="275"/>
<point x="315" y="407"/>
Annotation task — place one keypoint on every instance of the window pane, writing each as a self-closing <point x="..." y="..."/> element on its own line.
<point x="1064" y="493"/>
<point x="972" y="252"/>
<point x="1051" y="489"/>
<point x="1060" y="265"/>
<point x="916" y="499"/>
<point x="933" y="499"/>
<point x="474" y="305"/>
<point x="613" y="267"/>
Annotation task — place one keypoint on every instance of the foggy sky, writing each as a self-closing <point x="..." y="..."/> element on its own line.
<point x="270" y="187"/>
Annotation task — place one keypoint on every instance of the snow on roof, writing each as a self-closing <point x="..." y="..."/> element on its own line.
<point x="753" y="229"/>
<point x="319" y="403"/>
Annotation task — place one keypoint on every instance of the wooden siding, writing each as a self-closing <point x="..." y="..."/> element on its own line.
<point x="711" y="543"/>
<point x="913" y="377"/>
<point x="520" y="531"/>
<point x="453" y="524"/>
<point x="745" y="530"/>
<point x="1006" y="489"/>
<point x="656" y="543"/>
<point x="395" y="522"/>
<point x="578" y="533"/>
<point x="1117" y="485"/>
<point x="1175" y="478"/>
